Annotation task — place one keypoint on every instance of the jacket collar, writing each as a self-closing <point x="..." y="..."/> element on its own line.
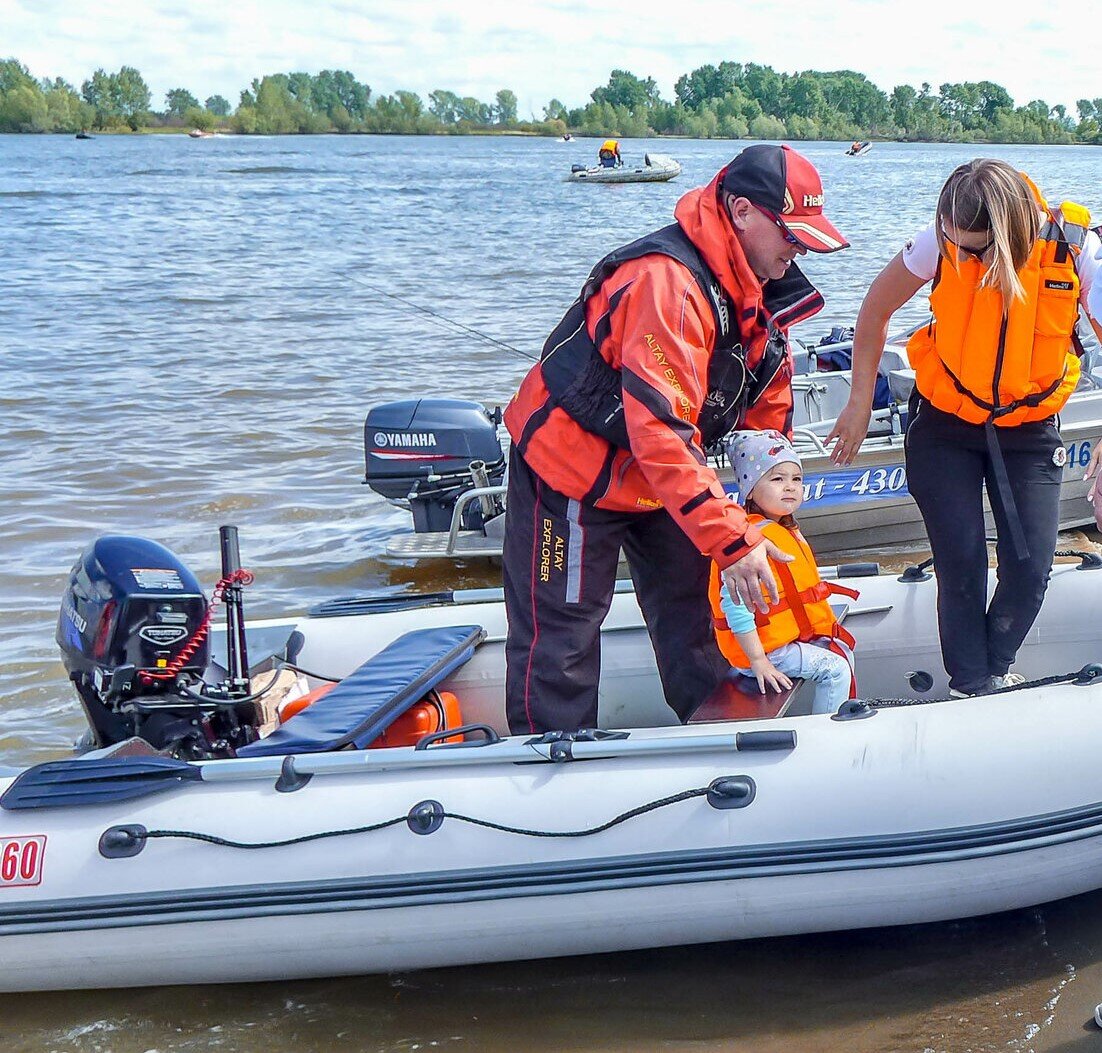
<point x="701" y="215"/>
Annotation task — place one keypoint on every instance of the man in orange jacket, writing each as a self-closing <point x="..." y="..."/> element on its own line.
<point x="675" y="340"/>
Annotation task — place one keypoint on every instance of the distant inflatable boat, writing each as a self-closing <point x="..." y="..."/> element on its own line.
<point x="656" y="168"/>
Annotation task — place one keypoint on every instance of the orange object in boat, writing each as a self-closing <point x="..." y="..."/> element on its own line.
<point x="297" y="705"/>
<point x="435" y="712"/>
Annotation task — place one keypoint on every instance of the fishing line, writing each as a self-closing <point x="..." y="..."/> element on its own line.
<point x="442" y="319"/>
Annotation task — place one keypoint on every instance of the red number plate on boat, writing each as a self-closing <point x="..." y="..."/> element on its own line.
<point x="21" y="860"/>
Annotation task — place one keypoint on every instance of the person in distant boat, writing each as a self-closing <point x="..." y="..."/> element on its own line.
<point x="609" y="154"/>
<point x="673" y="341"/>
<point x="799" y="636"/>
<point x="994" y="366"/>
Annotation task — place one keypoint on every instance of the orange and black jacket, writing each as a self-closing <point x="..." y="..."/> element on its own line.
<point x="653" y="326"/>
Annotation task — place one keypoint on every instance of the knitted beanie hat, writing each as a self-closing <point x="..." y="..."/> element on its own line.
<point x="753" y="453"/>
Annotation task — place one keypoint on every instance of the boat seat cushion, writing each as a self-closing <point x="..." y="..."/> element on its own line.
<point x="366" y="702"/>
<point x="737" y="698"/>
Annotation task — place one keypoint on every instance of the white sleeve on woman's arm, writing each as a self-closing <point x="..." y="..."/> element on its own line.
<point x="1089" y="268"/>
<point x="920" y="254"/>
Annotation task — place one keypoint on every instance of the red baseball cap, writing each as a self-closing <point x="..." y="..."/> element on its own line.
<point x="785" y="183"/>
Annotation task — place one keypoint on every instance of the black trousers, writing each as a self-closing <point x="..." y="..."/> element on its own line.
<point x="559" y="569"/>
<point x="948" y="464"/>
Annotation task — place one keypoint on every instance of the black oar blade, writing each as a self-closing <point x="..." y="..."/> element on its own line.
<point x="63" y="784"/>
<point x="347" y="605"/>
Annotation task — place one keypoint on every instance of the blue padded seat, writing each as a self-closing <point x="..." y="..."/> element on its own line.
<point x="365" y="703"/>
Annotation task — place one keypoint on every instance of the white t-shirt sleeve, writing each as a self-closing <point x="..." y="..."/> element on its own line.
<point x="921" y="252"/>
<point x="1089" y="268"/>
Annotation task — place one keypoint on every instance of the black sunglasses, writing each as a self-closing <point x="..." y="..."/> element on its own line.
<point x="976" y="253"/>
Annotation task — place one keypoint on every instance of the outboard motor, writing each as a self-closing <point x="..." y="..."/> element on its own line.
<point x="422" y="454"/>
<point x="133" y="631"/>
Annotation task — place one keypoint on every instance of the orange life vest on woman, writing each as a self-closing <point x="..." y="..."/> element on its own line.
<point x="982" y="365"/>
<point x="802" y="613"/>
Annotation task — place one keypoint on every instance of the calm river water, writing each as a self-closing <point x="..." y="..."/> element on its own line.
<point x="191" y="333"/>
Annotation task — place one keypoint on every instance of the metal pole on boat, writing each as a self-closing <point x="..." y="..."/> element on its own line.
<point x="237" y="655"/>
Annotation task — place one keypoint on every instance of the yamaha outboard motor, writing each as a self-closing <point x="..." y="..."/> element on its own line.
<point x="422" y="454"/>
<point x="133" y="631"/>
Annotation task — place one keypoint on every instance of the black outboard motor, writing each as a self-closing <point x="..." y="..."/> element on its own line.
<point x="133" y="636"/>
<point x="424" y="453"/>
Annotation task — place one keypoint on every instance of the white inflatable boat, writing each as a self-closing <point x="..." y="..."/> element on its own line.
<point x="656" y="168"/>
<point x="307" y="855"/>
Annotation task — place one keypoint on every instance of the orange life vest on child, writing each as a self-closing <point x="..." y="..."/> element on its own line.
<point x="981" y="365"/>
<point x="803" y="612"/>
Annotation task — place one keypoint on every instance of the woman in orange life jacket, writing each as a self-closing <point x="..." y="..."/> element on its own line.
<point x="799" y="635"/>
<point x="992" y="369"/>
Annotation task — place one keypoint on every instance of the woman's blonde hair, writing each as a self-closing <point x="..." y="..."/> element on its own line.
<point x="990" y="196"/>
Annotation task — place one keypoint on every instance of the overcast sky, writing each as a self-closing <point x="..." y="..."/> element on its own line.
<point x="556" y="48"/>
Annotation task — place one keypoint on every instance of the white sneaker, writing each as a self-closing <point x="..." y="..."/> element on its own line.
<point x="997" y="683"/>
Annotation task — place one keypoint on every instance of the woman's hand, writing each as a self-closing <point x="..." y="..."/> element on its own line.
<point x="767" y="674"/>
<point x="1095" y="494"/>
<point x="890" y="290"/>
<point x="1096" y="460"/>
<point x="850" y="430"/>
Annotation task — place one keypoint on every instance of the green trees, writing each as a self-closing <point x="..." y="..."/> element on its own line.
<point x="554" y="111"/>
<point x="444" y="106"/>
<point x="505" y="110"/>
<point x="178" y="101"/>
<point x="118" y="99"/>
<point x="1089" y="129"/>
<point x="730" y="100"/>
<point x="627" y="90"/>
<point x="198" y="117"/>
<point x="27" y="105"/>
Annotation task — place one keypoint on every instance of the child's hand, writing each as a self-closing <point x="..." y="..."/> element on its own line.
<point x="766" y="673"/>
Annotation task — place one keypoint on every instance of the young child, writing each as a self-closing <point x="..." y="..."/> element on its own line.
<point x="799" y="637"/>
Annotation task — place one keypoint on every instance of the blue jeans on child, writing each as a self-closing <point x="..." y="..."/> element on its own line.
<point x="830" y="672"/>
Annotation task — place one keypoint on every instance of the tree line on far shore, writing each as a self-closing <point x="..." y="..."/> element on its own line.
<point x="731" y="100"/>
